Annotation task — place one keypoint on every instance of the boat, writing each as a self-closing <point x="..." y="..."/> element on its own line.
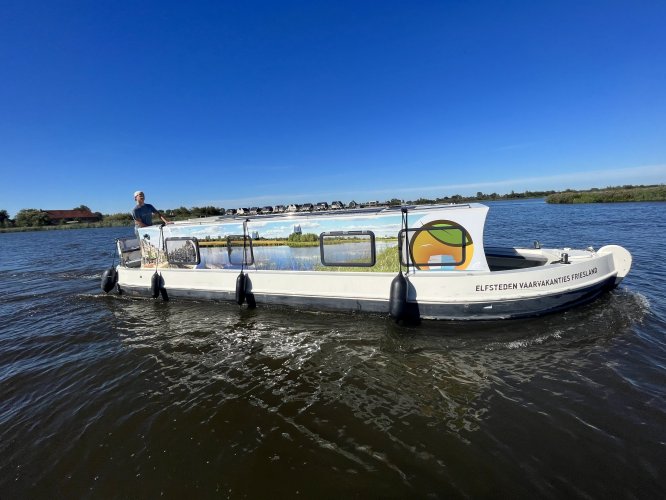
<point x="411" y="262"/>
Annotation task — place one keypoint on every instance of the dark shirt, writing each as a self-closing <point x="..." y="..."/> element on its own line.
<point x="144" y="213"/>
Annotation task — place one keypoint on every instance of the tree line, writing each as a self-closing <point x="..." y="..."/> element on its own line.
<point x="32" y="217"/>
<point x="655" y="192"/>
<point x="480" y="196"/>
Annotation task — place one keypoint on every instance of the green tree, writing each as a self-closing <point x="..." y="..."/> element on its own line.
<point x="303" y="237"/>
<point x="119" y="217"/>
<point x="178" y="213"/>
<point x="204" y="211"/>
<point x="82" y="207"/>
<point x="424" y="201"/>
<point x="5" y="221"/>
<point x="31" y="217"/>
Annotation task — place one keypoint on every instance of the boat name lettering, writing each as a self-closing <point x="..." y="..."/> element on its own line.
<point x="536" y="283"/>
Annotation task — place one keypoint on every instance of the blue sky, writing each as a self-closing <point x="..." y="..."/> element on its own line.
<point x="237" y="103"/>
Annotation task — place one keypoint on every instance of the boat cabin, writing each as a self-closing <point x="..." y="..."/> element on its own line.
<point x="422" y="238"/>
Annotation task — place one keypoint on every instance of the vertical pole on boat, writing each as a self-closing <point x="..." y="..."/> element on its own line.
<point x="249" y="296"/>
<point x="405" y="224"/>
<point x="399" y="285"/>
<point x="156" y="282"/>
<point x="241" y="281"/>
<point x="163" y="292"/>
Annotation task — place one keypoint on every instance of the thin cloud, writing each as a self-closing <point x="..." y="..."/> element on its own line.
<point x="649" y="174"/>
<point x="644" y="174"/>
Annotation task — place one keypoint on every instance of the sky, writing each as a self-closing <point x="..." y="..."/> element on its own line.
<point x="251" y="103"/>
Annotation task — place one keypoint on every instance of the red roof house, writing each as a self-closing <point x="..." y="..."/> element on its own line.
<point x="63" y="216"/>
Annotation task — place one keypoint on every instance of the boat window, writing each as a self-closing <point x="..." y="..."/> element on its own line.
<point x="347" y="248"/>
<point x="237" y="247"/>
<point x="184" y="251"/>
<point x="441" y="245"/>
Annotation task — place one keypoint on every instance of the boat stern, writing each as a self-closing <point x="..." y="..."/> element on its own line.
<point x="621" y="260"/>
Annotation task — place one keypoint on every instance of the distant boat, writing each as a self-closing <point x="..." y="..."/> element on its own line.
<point x="439" y="267"/>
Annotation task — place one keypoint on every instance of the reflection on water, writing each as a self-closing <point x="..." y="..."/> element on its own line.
<point x="361" y="395"/>
<point x="441" y="368"/>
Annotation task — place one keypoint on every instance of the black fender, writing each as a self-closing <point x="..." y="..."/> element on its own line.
<point x="109" y="279"/>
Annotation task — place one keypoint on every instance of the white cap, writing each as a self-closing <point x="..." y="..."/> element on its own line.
<point x="137" y="193"/>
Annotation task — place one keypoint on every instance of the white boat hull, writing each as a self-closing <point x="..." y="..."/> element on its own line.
<point x="343" y="264"/>
<point x="453" y="295"/>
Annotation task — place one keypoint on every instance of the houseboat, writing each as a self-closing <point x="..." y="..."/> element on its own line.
<point x="411" y="262"/>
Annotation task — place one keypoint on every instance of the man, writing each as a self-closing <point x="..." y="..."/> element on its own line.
<point x="143" y="212"/>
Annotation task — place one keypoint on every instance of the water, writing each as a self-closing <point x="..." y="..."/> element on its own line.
<point x="108" y="397"/>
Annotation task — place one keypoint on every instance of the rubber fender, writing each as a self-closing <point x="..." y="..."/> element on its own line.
<point x="155" y="285"/>
<point x="249" y="296"/>
<point x="398" y="297"/>
<point x="240" y="289"/>
<point x="109" y="279"/>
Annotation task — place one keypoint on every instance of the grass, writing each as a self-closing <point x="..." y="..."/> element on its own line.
<point x="387" y="261"/>
<point x="611" y="195"/>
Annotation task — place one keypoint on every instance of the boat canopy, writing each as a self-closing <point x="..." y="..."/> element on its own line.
<point x="428" y="238"/>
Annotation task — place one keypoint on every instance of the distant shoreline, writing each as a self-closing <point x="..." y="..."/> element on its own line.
<point x="620" y="194"/>
<point x="610" y="195"/>
<point x="64" y="227"/>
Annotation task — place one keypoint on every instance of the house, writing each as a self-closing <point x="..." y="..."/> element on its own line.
<point x="67" y="216"/>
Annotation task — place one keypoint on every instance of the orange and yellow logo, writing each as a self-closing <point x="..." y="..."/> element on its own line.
<point x="441" y="244"/>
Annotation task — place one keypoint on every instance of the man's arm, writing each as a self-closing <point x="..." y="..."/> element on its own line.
<point x="164" y="219"/>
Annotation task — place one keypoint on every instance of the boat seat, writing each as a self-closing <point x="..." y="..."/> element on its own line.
<point x="128" y="245"/>
<point x="131" y="257"/>
<point x="507" y="262"/>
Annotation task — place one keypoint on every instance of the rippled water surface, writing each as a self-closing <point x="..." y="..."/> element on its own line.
<point x="105" y="397"/>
